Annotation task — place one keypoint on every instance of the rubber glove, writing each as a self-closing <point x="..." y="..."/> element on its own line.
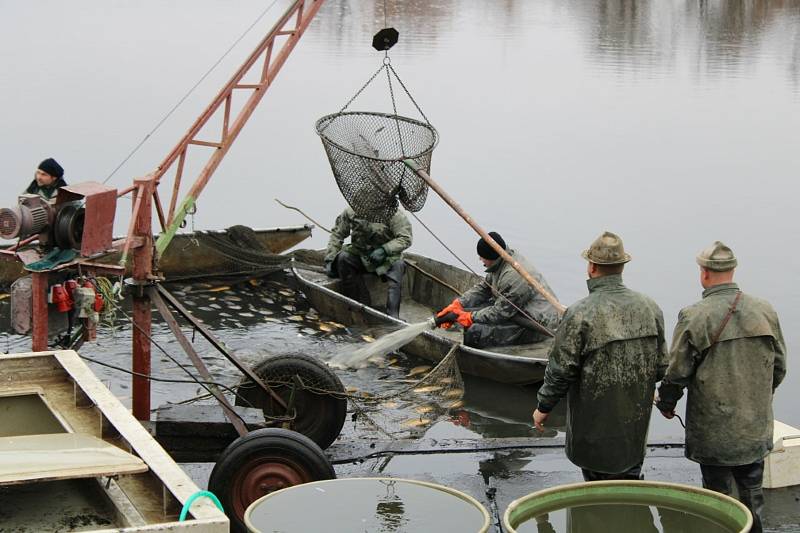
<point x="465" y="319"/>
<point x="378" y="255"/>
<point x="455" y="307"/>
<point x="329" y="269"/>
<point x="446" y="320"/>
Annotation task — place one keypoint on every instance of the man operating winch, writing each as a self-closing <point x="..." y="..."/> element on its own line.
<point x="375" y="248"/>
<point x="49" y="176"/>
<point x="498" y="310"/>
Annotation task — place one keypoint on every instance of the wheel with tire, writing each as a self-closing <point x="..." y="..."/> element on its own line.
<point x="261" y="462"/>
<point x="318" y="415"/>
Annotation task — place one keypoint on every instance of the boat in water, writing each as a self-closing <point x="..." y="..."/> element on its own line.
<point x="236" y="250"/>
<point x="428" y="286"/>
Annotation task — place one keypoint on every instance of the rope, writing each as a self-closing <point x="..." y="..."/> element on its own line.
<point x="185" y="96"/>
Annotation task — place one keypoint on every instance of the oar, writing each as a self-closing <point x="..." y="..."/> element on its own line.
<point x="533" y="282"/>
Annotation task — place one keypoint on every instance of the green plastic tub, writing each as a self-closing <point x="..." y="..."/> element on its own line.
<point x="366" y="504"/>
<point x="725" y="512"/>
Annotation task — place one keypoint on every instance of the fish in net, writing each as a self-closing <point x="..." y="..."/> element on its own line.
<point x="429" y="395"/>
<point x="366" y="151"/>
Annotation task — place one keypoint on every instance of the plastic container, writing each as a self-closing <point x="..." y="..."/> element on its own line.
<point x="366" y="504"/>
<point x="724" y="512"/>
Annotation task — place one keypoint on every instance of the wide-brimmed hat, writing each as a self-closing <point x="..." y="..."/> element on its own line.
<point x="717" y="257"/>
<point x="607" y="249"/>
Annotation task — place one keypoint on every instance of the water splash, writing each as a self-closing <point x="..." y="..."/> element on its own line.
<point x="386" y="344"/>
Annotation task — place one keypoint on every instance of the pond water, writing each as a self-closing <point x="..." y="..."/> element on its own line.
<point x="673" y="124"/>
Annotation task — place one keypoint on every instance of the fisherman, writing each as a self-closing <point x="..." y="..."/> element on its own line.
<point x="497" y="310"/>
<point x="608" y="355"/>
<point x="49" y="176"/>
<point x="728" y="351"/>
<point x="374" y="247"/>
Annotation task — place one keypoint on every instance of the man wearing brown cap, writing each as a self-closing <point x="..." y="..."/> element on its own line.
<point x="49" y="176"/>
<point x="728" y="351"/>
<point x="497" y="311"/>
<point x="608" y="355"/>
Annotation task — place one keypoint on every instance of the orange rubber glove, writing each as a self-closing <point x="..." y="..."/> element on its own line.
<point x="455" y="307"/>
<point x="465" y="319"/>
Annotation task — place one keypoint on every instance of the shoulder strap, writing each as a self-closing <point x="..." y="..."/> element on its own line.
<point x="728" y="315"/>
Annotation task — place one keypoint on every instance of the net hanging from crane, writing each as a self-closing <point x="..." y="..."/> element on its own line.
<point x="366" y="151"/>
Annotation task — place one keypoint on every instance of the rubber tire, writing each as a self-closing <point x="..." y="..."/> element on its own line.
<point x="261" y="462"/>
<point x="319" y="417"/>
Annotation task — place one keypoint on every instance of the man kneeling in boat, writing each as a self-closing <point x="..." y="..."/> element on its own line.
<point x="492" y="311"/>
<point x="374" y="248"/>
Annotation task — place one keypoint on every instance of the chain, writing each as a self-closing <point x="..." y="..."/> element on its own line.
<point x="388" y="64"/>
<point x="403" y="85"/>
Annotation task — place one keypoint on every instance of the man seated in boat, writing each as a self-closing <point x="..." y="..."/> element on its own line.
<point x="374" y="247"/>
<point x="49" y="176"/>
<point x="497" y="311"/>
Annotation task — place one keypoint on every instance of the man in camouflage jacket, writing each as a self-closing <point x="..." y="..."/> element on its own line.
<point x="374" y="247"/>
<point x="608" y="355"/>
<point x="493" y="320"/>
<point x="728" y="351"/>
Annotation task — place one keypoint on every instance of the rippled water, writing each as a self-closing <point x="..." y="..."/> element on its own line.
<point x="671" y="123"/>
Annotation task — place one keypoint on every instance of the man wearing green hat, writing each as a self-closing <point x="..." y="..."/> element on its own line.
<point x="728" y="351"/>
<point x="608" y="355"/>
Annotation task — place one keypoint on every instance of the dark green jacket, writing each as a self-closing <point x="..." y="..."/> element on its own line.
<point x="730" y="384"/>
<point x="48" y="193"/>
<point x="608" y="354"/>
<point x="503" y="278"/>
<point x="365" y="236"/>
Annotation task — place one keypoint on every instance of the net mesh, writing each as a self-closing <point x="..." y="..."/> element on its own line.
<point x="430" y="394"/>
<point x="366" y="152"/>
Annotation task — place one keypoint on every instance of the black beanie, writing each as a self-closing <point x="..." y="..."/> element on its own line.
<point x="52" y="167"/>
<point x="486" y="251"/>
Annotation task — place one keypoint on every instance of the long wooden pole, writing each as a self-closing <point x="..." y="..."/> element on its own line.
<point x="533" y="282"/>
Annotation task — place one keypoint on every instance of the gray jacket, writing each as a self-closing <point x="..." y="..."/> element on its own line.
<point x="730" y="384"/>
<point x="503" y="278"/>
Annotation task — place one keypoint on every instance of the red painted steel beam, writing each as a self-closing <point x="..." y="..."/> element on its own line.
<point x="142" y="312"/>
<point x="39" y="311"/>
<point x="305" y="11"/>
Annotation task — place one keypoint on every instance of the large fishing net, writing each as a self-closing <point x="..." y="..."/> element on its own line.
<point x="424" y="396"/>
<point x="366" y="152"/>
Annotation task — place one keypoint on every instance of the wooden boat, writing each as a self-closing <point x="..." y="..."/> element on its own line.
<point x="428" y="286"/>
<point x="189" y="254"/>
<point x="73" y="458"/>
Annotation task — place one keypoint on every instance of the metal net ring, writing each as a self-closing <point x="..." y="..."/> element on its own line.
<point x="366" y="151"/>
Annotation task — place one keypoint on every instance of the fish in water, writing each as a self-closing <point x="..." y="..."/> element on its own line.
<point x="337" y="325"/>
<point x="220" y="288"/>
<point x="455" y="393"/>
<point x="295" y="318"/>
<point x="286" y="292"/>
<point x="428" y="388"/>
<point x="455" y="404"/>
<point x="417" y="370"/>
<point x="325" y="327"/>
<point x="416" y="422"/>
<point x="367" y="338"/>
<point x="270" y="319"/>
<point x="389" y="405"/>
<point x="288" y="307"/>
<point x="422" y="409"/>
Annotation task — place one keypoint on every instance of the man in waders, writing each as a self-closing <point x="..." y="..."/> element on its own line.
<point x="374" y="247"/>
<point x="49" y="176"/>
<point x="728" y="351"/>
<point x="608" y="355"/>
<point x="494" y="312"/>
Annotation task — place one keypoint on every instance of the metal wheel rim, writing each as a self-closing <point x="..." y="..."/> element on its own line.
<point x="261" y="476"/>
